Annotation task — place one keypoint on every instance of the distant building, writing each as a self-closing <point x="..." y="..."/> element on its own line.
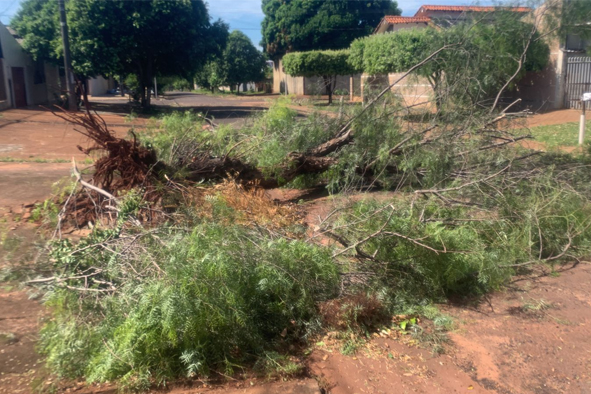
<point x="392" y="23"/>
<point x="23" y="81"/>
<point x="560" y="85"/>
<point x="440" y="15"/>
<point x="565" y="79"/>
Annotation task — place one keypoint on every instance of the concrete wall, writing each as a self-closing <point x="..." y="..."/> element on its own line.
<point x="308" y="86"/>
<point x="100" y="86"/>
<point x="412" y="91"/>
<point x="15" y="56"/>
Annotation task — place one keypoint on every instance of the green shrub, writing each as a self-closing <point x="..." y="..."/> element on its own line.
<point x="185" y="302"/>
<point x="426" y="250"/>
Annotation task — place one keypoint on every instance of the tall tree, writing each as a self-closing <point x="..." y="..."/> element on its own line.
<point x="304" y="25"/>
<point x="144" y="38"/>
<point x="243" y="62"/>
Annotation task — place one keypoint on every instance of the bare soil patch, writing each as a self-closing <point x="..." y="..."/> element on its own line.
<point x="554" y="117"/>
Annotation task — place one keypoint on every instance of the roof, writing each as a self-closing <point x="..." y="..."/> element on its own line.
<point x="459" y="8"/>
<point x="395" y="20"/>
<point x="14" y="34"/>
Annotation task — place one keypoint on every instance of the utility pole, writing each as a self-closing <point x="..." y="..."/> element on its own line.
<point x="72" y="104"/>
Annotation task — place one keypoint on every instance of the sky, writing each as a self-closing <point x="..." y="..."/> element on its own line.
<point x="246" y="15"/>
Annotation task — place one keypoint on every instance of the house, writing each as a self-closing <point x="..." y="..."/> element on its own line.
<point x="392" y="23"/>
<point x="441" y="15"/>
<point x="560" y="85"/>
<point x="23" y="81"/>
<point x="413" y="90"/>
<point x="567" y="76"/>
<point x="446" y="14"/>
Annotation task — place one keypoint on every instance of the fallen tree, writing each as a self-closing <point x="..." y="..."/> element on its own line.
<point x="229" y="279"/>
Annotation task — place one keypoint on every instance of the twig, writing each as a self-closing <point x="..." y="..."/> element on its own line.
<point x="450" y="189"/>
<point x="88" y="185"/>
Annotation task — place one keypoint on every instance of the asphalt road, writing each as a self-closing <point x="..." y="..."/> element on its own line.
<point x="231" y="109"/>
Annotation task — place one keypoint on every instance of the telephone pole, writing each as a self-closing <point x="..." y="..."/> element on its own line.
<point x="72" y="104"/>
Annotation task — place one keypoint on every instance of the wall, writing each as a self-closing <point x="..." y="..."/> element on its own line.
<point x="15" y="56"/>
<point x="100" y="86"/>
<point x="389" y="27"/>
<point x="412" y="91"/>
<point x="308" y="86"/>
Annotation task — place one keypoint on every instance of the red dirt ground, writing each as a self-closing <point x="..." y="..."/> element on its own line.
<point x="554" y="117"/>
<point x="500" y="346"/>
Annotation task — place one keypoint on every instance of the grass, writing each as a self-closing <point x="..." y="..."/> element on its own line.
<point x="554" y="136"/>
<point x="40" y="160"/>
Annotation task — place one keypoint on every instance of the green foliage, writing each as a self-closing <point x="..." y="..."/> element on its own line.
<point x="317" y="63"/>
<point x="300" y="25"/>
<point x="325" y="64"/>
<point x="243" y="62"/>
<point x="175" y="139"/>
<point x="427" y="250"/>
<point x="563" y="18"/>
<point x="271" y="136"/>
<point x="391" y="52"/>
<point x="145" y="38"/>
<point x="480" y="59"/>
<point x="37" y="22"/>
<point x="211" y="76"/>
<point x="220" y="296"/>
<point x="264" y="142"/>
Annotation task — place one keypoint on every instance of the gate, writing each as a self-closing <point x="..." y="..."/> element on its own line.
<point x="578" y="80"/>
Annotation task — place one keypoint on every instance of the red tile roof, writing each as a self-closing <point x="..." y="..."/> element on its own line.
<point x="394" y="20"/>
<point x="454" y="8"/>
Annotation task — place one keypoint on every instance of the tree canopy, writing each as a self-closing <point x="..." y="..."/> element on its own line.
<point x="144" y="38"/>
<point x="243" y="62"/>
<point x="304" y="25"/>
<point x="325" y="64"/>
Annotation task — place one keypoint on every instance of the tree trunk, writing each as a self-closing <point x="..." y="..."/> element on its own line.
<point x="328" y="86"/>
<point x="142" y="92"/>
<point x="434" y="82"/>
<point x="215" y="168"/>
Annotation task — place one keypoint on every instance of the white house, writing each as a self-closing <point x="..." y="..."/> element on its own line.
<point x="24" y="82"/>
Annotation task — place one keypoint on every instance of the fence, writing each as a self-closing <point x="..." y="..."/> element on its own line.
<point x="578" y="80"/>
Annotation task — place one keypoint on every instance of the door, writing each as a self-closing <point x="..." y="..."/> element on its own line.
<point x="20" y="90"/>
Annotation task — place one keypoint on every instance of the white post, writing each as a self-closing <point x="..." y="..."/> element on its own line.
<point x="582" y="124"/>
<point x="155" y="88"/>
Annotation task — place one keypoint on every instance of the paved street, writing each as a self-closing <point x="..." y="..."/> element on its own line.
<point x="228" y="109"/>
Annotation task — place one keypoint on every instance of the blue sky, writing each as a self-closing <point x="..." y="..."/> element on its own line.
<point x="246" y="15"/>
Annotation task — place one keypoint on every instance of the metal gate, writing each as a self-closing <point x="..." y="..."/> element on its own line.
<point x="578" y="80"/>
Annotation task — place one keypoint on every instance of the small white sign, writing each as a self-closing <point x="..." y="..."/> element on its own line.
<point x="586" y="97"/>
